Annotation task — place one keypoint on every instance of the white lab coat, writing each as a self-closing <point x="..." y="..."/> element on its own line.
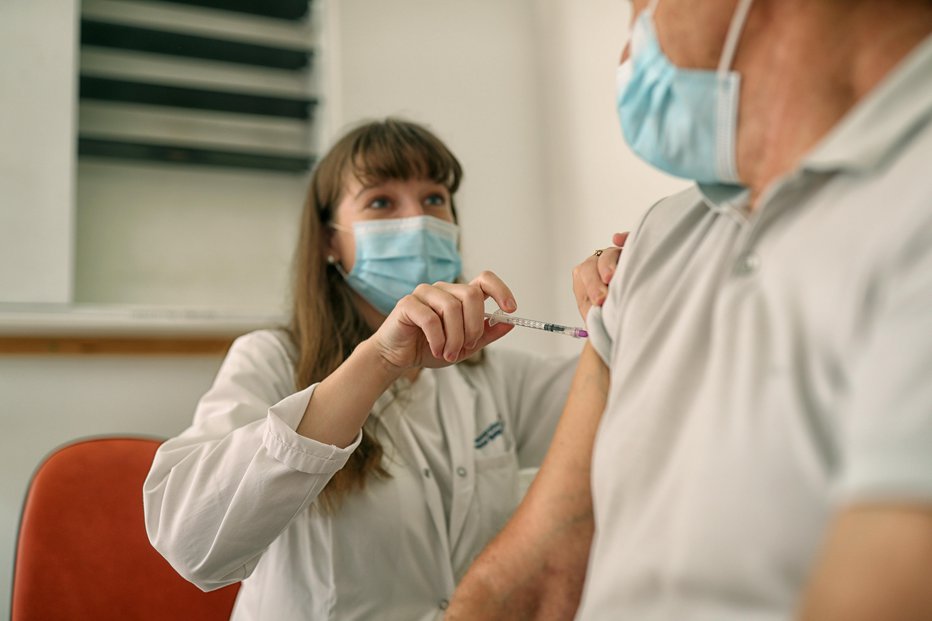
<point x="233" y="497"/>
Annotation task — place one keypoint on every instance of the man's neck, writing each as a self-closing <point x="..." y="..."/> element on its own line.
<point x="804" y="65"/>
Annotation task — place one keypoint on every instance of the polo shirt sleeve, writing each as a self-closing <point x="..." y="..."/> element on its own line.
<point x="886" y="434"/>
<point x="599" y="336"/>
<point x="602" y="321"/>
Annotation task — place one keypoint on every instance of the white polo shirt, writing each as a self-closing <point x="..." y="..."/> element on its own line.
<point x="766" y="370"/>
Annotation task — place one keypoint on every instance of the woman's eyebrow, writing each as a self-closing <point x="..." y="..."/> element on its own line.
<point x="365" y="188"/>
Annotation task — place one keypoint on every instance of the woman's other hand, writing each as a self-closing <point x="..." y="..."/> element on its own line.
<point x="591" y="277"/>
<point x="443" y="323"/>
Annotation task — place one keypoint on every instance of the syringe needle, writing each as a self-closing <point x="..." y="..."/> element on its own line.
<point x="500" y="316"/>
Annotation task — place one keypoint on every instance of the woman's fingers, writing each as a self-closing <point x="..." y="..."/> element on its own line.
<point x="449" y="309"/>
<point x="472" y="301"/>
<point x="619" y="239"/>
<point x="426" y="319"/>
<point x="494" y="287"/>
<point x="491" y="334"/>
<point x="586" y="289"/>
<point x="592" y="276"/>
<point x="606" y="263"/>
<point x="451" y="318"/>
<point x="608" y="260"/>
<point x="462" y="310"/>
<point x="472" y="298"/>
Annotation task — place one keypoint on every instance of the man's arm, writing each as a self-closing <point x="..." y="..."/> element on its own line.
<point x="534" y="568"/>
<point x="876" y="563"/>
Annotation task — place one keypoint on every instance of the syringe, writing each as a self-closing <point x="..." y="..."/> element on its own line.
<point x="500" y="316"/>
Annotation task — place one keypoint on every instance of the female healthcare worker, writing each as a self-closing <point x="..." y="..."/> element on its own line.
<point x="351" y="466"/>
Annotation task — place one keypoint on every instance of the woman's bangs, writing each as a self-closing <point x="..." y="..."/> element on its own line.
<point x="402" y="156"/>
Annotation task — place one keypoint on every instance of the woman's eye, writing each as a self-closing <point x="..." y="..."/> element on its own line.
<point x="435" y="200"/>
<point x="379" y="203"/>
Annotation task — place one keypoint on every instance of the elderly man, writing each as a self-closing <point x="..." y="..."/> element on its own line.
<point x="763" y="449"/>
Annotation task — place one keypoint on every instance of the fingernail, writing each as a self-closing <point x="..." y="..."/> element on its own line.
<point x="451" y="357"/>
<point x="511" y="305"/>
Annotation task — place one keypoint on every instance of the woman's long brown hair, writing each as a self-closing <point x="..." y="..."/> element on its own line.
<point x="325" y="323"/>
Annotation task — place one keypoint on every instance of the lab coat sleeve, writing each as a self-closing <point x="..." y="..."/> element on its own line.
<point x="219" y="493"/>
<point x="537" y="387"/>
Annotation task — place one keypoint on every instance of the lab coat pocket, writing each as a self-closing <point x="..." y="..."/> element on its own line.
<point x="497" y="491"/>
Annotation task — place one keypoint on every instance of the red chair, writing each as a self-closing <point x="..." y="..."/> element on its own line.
<point x="83" y="553"/>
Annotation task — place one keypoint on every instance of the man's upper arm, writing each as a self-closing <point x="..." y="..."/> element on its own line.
<point x="876" y="563"/>
<point x="535" y="567"/>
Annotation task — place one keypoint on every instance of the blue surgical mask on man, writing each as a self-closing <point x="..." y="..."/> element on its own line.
<point x="682" y="121"/>
<point x="394" y="256"/>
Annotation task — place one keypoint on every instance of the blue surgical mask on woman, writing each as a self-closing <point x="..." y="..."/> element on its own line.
<point x="682" y="121"/>
<point x="395" y="255"/>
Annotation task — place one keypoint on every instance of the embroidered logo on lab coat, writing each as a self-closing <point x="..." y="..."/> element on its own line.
<point x="489" y="433"/>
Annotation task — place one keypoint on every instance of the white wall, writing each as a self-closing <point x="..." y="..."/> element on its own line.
<point x="595" y="185"/>
<point x="467" y="70"/>
<point x="37" y="92"/>
<point x="521" y="90"/>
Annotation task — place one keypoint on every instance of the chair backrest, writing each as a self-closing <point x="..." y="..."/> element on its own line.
<point x="83" y="553"/>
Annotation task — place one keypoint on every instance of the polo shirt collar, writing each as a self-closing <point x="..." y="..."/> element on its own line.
<point x="875" y="128"/>
<point x="879" y="124"/>
<point x="720" y="196"/>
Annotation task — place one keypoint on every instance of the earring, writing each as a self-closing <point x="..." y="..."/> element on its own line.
<point x="334" y="262"/>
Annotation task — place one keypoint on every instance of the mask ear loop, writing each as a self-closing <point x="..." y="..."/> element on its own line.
<point x="630" y="42"/>
<point x="727" y="104"/>
<point x="734" y="35"/>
